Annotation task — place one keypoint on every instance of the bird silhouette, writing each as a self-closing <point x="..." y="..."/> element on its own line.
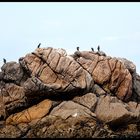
<point x="39" y="45"/>
<point x="77" y="48"/>
<point x="98" y="48"/>
<point x="4" y="60"/>
<point x="92" y="49"/>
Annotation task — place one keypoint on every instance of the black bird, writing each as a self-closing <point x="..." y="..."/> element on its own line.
<point x="98" y="48"/>
<point x="77" y="48"/>
<point x="4" y="60"/>
<point x="39" y="45"/>
<point x="92" y="49"/>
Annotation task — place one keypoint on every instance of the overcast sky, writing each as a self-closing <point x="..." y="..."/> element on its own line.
<point x="113" y="26"/>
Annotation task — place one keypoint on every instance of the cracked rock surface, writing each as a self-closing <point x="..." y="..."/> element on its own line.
<point x="49" y="93"/>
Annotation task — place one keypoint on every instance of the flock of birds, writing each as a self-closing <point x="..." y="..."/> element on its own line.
<point x="98" y="48"/>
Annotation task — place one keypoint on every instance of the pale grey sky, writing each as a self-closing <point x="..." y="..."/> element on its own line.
<point x="113" y="26"/>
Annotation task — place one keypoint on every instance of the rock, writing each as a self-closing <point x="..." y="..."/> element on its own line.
<point x="13" y="72"/>
<point x="59" y="72"/>
<point x="78" y="127"/>
<point x="128" y="64"/>
<point x="108" y="72"/>
<point x="52" y="94"/>
<point x="109" y="109"/>
<point x="56" y="127"/>
<point x="51" y="72"/>
<point x="114" y="112"/>
<point x="12" y="98"/>
<point x="35" y="112"/>
<point x="102" y="72"/>
<point x="101" y="53"/>
<point x="14" y="131"/>
<point x="3" y="113"/>
<point x="98" y="90"/>
<point x="1" y="75"/>
<point x="136" y="85"/>
<point x="64" y="74"/>
<point x="61" y="51"/>
<point x="10" y="131"/>
<point x="135" y="77"/>
<point x="70" y="109"/>
<point x="88" y="100"/>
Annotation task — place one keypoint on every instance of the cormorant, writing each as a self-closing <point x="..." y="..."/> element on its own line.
<point x="92" y="49"/>
<point x="77" y="48"/>
<point x="39" y="45"/>
<point x="4" y="60"/>
<point x="98" y="48"/>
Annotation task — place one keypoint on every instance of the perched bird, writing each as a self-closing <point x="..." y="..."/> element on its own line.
<point x="77" y="48"/>
<point x="98" y="48"/>
<point x="39" y="45"/>
<point x="76" y="54"/>
<point x="100" y="53"/>
<point x="92" y="49"/>
<point x="4" y="60"/>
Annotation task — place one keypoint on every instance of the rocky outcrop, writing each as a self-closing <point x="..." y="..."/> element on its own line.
<point x="52" y="94"/>
<point x="63" y="73"/>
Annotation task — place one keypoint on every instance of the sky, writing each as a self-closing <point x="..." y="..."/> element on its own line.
<point x="115" y="26"/>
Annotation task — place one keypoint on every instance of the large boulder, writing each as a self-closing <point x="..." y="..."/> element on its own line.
<point x="57" y="71"/>
<point x="35" y="112"/>
<point x="69" y="108"/>
<point x="66" y="74"/>
<point x="135" y="77"/>
<point x="108" y="72"/>
<point x="114" y="112"/>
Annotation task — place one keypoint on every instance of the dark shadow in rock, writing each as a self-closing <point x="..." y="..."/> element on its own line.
<point x="117" y="128"/>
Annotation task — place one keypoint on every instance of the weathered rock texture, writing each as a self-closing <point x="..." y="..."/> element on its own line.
<point x="62" y="73"/>
<point x="52" y="94"/>
<point x="35" y="112"/>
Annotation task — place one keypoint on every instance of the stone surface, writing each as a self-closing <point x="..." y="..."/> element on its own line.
<point x="79" y="127"/>
<point x="88" y="100"/>
<point x="69" y="108"/>
<point x="136" y="85"/>
<point x="98" y="90"/>
<point x="114" y="112"/>
<point x="128" y="64"/>
<point x="57" y="71"/>
<point x="52" y="94"/>
<point x="108" y="72"/>
<point x="12" y="98"/>
<point x="35" y="112"/>
<point x="65" y="74"/>
<point x="13" y="72"/>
